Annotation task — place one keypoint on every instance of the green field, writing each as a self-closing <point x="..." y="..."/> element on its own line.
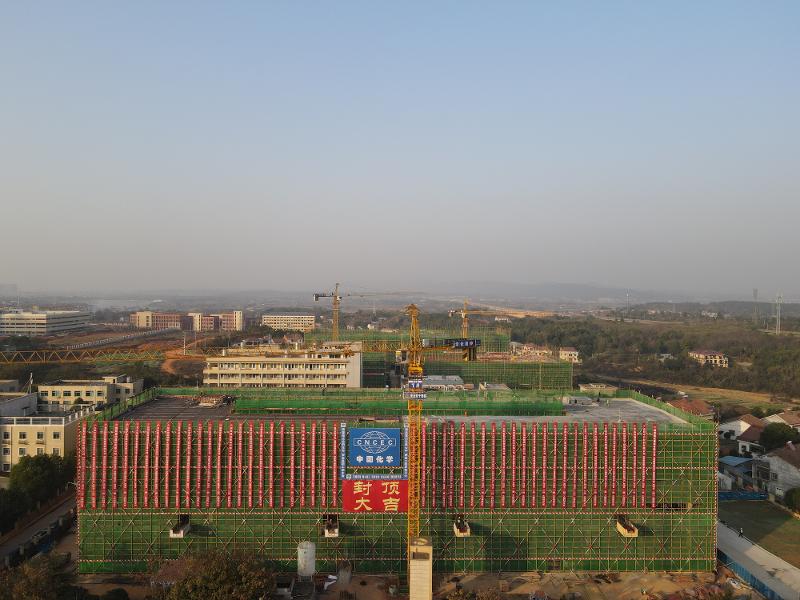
<point x="765" y="524"/>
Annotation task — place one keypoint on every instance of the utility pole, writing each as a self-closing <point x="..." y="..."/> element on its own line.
<point x="778" y="302"/>
<point x="755" y="307"/>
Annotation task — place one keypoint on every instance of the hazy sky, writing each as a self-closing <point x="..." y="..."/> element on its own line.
<point x="292" y="145"/>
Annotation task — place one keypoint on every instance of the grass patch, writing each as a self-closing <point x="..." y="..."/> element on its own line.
<point x="765" y="524"/>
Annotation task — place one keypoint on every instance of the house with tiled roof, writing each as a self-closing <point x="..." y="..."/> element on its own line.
<point x="750" y="440"/>
<point x="790" y="418"/>
<point x="778" y="471"/>
<point x="733" y="428"/>
<point x="694" y="406"/>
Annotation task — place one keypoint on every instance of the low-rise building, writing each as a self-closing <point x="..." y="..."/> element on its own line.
<point x="569" y="354"/>
<point x="778" y="471"/>
<point x="112" y="388"/>
<point x="31" y="435"/>
<point x="9" y="385"/>
<point x="790" y="418"/>
<point x="302" y="323"/>
<point x="443" y="383"/>
<point x="330" y="366"/>
<point x="148" y="319"/>
<point x="739" y="469"/>
<point x="604" y="389"/>
<point x="43" y="322"/>
<point x="694" y="406"/>
<point x="709" y="357"/>
<point x="750" y="441"/>
<point x="733" y="428"/>
<point x="18" y="403"/>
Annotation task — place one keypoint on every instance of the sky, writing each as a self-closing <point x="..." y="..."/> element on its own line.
<point x="290" y="145"/>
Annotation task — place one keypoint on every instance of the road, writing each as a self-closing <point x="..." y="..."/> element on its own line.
<point x="41" y="523"/>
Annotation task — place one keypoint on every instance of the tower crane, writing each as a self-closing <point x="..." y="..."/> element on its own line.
<point x="470" y="354"/>
<point x="414" y="393"/>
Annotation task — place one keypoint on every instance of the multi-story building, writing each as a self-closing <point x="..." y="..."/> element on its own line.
<point x="66" y="392"/>
<point x="148" y="319"/>
<point x="778" y="471"/>
<point x="709" y="357"/>
<point x="569" y="354"/>
<point x="33" y="434"/>
<point x="327" y="367"/>
<point x="42" y="322"/>
<point x="231" y="321"/>
<point x="302" y="323"/>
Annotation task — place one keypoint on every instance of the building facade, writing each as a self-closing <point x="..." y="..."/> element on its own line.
<point x="38" y="434"/>
<point x="302" y="323"/>
<point x="569" y="354"/>
<point x="16" y="404"/>
<point x="709" y="357"/>
<point x="326" y="367"/>
<point x="43" y="322"/>
<point x="778" y="471"/>
<point x="193" y="321"/>
<point x="113" y="388"/>
<point x="9" y="385"/>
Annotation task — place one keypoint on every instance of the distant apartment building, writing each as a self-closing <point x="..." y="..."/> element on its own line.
<point x="42" y="322"/>
<point x="194" y="321"/>
<point x="66" y="392"/>
<point x="24" y="432"/>
<point x="569" y="354"/>
<point x="709" y="357"/>
<point x="330" y="366"/>
<point x="302" y="323"/>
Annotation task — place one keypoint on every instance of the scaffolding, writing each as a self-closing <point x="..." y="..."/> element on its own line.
<point x="538" y="493"/>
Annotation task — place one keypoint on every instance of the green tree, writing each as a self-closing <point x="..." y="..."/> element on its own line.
<point x="12" y="507"/>
<point x="36" y="579"/>
<point x="792" y="499"/>
<point x="221" y="576"/>
<point x="38" y="478"/>
<point x="776" y="435"/>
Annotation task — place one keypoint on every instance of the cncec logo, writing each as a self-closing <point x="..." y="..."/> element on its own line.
<point x="375" y="442"/>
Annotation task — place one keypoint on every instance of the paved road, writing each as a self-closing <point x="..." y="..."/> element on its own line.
<point x="773" y="571"/>
<point x="41" y="523"/>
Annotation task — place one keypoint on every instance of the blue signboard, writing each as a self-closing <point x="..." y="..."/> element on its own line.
<point x="374" y="447"/>
<point x="462" y="343"/>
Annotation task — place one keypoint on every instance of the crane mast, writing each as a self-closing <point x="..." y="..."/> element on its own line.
<point x="414" y="394"/>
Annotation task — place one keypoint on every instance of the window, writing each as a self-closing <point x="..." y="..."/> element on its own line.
<point x="43" y="393"/>
<point x="6" y="435"/>
<point x="6" y="451"/>
<point x="40" y="436"/>
<point x="56" y="451"/>
<point x="6" y="467"/>
<point x="23" y="451"/>
<point x="87" y="394"/>
<point x="100" y="393"/>
<point x="23" y="435"/>
<point x="67" y="393"/>
<point x="56" y="435"/>
<point x="39" y="451"/>
<point x="773" y="476"/>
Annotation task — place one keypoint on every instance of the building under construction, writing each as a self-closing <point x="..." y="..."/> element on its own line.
<point x="511" y="481"/>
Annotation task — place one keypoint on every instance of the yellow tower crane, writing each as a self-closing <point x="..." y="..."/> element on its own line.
<point x="470" y="354"/>
<point x="414" y="395"/>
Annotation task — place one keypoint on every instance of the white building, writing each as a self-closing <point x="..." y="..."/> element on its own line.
<point x="14" y="404"/>
<point x="778" y="471"/>
<point x="42" y="322"/>
<point x="289" y="322"/>
<point x="709" y="357"/>
<point x="569" y="354"/>
<point x="734" y="428"/>
<point x="330" y="366"/>
<point x="66" y="392"/>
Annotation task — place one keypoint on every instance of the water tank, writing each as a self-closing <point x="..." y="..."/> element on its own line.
<point x="306" y="559"/>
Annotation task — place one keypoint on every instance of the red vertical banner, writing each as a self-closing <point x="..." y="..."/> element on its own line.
<point x="239" y="463"/>
<point x="483" y="464"/>
<point x="445" y="451"/>
<point x="653" y="468"/>
<point x="434" y="430"/>
<point x="292" y="452"/>
<point x="472" y="465"/>
<point x="146" y="470"/>
<point x="634" y="472"/>
<point x="451" y="478"/>
<point x="271" y="466"/>
<point x="462" y="470"/>
<point x="229" y="473"/>
<point x="513" y="499"/>
<point x="555" y="466"/>
<point x="605" y="464"/>
<point x="94" y="466"/>
<point x="282" y="462"/>
<point x="187" y="477"/>
<point x="157" y="466"/>
<point x="261" y="464"/>
<point x="81" y="469"/>
<point x="644" y="465"/>
<point x="565" y="455"/>
<point x="218" y="482"/>
<point x="167" y="463"/>
<point x="624" y="464"/>
<point x="614" y="465"/>
<point x="135" y="465"/>
<point x="104" y="468"/>
<point x="178" y="436"/>
<point x="493" y="465"/>
<point x="114" y="463"/>
<point x="209" y="444"/>
<point x="595" y="464"/>
<point x="423" y="488"/>
<point x="523" y="471"/>
<point x="313" y="468"/>
<point x="503" y="464"/>
<point x="198" y="467"/>
<point x="334" y="472"/>
<point x="301" y="471"/>
<point x="544" y="465"/>
<point x="125" y="445"/>
<point x="323" y="471"/>
<point x="251" y="437"/>
<point x="575" y="465"/>
<point x="585" y="474"/>
<point x="534" y="464"/>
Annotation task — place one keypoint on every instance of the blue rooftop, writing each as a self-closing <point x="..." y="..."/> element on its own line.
<point x="734" y="461"/>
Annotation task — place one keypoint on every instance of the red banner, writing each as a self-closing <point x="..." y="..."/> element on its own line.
<point x="375" y="496"/>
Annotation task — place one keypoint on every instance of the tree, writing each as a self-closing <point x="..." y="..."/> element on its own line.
<point x="36" y="579"/>
<point x="776" y="435"/>
<point x="12" y="507"/>
<point x="221" y="576"/>
<point x="792" y="499"/>
<point x="489" y="594"/>
<point x="459" y="594"/>
<point x="38" y="478"/>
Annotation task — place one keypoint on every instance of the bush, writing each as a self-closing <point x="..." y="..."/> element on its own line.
<point x="792" y="499"/>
